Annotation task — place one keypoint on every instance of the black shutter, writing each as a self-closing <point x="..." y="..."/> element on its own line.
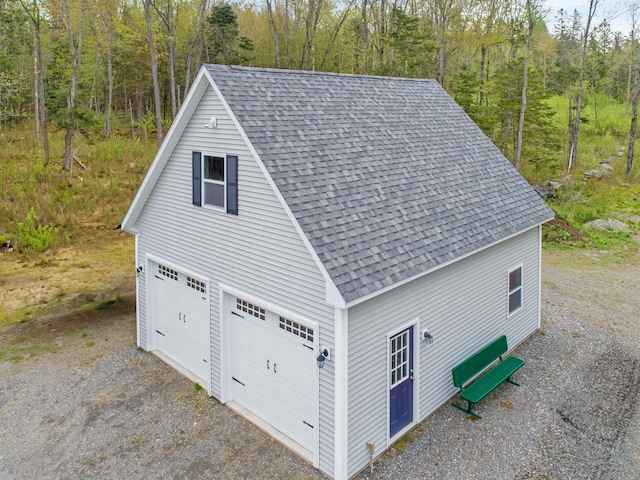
<point x="197" y="178"/>
<point x="232" y="184"/>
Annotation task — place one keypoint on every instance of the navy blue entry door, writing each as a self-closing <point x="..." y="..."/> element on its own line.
<point x="400" y="381"/>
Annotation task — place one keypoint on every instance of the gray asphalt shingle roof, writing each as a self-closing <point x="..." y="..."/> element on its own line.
<point x="387" y="177"/>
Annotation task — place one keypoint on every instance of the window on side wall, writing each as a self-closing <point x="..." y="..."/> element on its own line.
<point x="515" y="289"/>
<point x="214" y="181"/>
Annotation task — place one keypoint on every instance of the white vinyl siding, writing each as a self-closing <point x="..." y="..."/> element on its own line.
<point x="463" y="307"/>
<point x="258" y="251"/>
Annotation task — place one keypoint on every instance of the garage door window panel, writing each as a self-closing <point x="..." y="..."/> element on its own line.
<point x="251" y="309"/>
<point x="196" y="285"/>
<point x="302" y="331"/>
<point x="167" y="272"/>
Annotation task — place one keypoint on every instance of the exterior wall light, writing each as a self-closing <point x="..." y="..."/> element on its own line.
<point x="427" y="337"/>
<point x="324" y="355"/>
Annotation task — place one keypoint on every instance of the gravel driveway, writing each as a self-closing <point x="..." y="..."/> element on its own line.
<point x="88" y="404"/>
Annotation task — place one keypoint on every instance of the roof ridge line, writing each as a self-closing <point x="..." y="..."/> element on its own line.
<point x="309" y="72"/>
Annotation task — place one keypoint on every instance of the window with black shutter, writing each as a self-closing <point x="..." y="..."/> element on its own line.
<point x="215" y="181"/>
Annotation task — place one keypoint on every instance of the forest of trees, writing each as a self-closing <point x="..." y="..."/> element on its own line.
<point x="101" y="67"/>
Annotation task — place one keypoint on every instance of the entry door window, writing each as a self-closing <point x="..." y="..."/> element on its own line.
<point x="400" y="381"/>
<point x="399" y="358"/>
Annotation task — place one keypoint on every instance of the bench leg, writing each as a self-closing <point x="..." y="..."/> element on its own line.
<point x="511" y="381"/>
<point x="468" y="410"/>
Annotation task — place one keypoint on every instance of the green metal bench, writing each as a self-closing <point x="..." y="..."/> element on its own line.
<point x="468" y="370"/>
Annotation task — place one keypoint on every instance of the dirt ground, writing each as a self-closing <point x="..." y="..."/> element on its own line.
<point x="78" y="400"/>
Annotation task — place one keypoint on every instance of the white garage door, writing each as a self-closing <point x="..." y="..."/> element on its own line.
<point x="273" y="369"/>
<point x="181" y="313"/>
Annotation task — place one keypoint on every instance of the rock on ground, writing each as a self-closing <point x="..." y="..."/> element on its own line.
<point x="609" y="224"/>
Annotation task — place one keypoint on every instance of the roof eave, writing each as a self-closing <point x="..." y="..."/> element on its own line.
<point x="371" y="295"/>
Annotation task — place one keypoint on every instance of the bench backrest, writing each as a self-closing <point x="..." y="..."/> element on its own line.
<point x="469" y="368"/>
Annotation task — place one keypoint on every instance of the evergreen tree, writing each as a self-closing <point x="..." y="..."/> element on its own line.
<point x="226" y="45"/>
<point x="410" y="49"/>
<point x="540" y="137"/>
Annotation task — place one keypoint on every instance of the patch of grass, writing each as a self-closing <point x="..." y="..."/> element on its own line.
<point x="16" y="353"/>
<point x="401" y="445"/>
<point x="108" y="303"/>
<point x="45" y="262"/>
<point x="197" y="386"/>
<point x="89" y="344"/>
<point x="21" y="315"/>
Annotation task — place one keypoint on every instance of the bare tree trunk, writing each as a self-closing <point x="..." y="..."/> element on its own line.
<point x="441" y="12"/>
<point x="382" y="28"/>
<point x="336" y="30"/>
<point x="172" y="77"/>
<point x="287" y="37"/>
<point x="36" y="98"/>
<point x="525" y="84"/>
<point x="633" y="13"/>
<point x="108" y="106"/>
<point x="573" y="145"/>
<point x="632" y="131"/>
<point x="39" y="73"/>
<point x="483" y="58"/>
<point x="154" y="72"/>
<point x="634" y="115"/>
<point x="274" y="32"/>
<point x="43" y="107"/>
<point x="194" y="46"/>
<point x="75" y="54"/>
<point x="365" y="31"/>
<point x="167" y="18"/>
<point x="311" y="23"/>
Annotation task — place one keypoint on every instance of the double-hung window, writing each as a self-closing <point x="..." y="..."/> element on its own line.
<point x="215" y="181"/>
<point x="515" y="289"/>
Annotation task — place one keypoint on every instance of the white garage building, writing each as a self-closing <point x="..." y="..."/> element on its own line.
<point x="294" y="215"/>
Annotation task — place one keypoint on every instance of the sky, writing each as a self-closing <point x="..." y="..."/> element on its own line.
<point x="612" y="10"/>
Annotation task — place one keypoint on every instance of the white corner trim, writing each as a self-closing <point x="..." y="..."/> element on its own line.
<point x="138" y="284"/>
<point x="166" y="148"/>
<point x="225" y="339"/>
<point x="341" y="357"/>
<point x="539" y="277"/>
<point x="333" y="296"/>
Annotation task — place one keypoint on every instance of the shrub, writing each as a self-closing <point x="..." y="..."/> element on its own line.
<point x="35" y="237"/>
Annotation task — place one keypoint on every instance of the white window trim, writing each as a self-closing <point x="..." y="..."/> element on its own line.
<point x="213" y="182"/>
<point x="509" y="291"/>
